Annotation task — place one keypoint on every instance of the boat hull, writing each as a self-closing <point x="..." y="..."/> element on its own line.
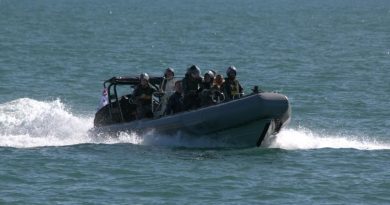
<point x="240" y="123"/>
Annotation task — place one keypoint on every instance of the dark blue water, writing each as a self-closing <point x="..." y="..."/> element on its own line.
<point x="331" y="59"/>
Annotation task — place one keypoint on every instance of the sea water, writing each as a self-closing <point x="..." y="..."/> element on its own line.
<point x="331" y="58"/>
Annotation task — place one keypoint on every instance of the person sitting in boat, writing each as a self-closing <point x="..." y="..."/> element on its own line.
<point x="191" y="84"/>
<point x="167" y="88"/>
<point x="206" y="91"/>
<point x="143" y="97"/>
<point x="231" y="87"/>
<point x="218" y="81"/>
<point x="217" y="88"/>
<point x="168" y="84"/>
<point x="208" y="81"/>
<point x="175" y="102"/>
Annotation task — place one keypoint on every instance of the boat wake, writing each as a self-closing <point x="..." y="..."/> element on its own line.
<point x="27" y="123"/>
<point x="301" y="138"/>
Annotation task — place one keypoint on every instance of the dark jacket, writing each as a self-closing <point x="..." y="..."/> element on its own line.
<point x="191" y="85"/>
<point x="206" y="86"/>
<point x="147" y="92"/>
<point x="175" y="104"/>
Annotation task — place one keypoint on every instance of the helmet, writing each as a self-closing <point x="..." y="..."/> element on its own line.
<point x="144" y="76"/>
<point x="209" y="73"/>
<point x="169" y="70"/>
<point x="231" y="70"/>
<point x="193" y="70"/>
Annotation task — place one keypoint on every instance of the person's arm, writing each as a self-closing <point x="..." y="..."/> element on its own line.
<point x="200" y="85"/>
<point x="184" y="85"/>
<point x="241" y="89"/>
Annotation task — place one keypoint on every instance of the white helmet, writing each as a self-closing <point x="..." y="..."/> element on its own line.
<point x="144" y="76"/>
<point x="210" y="74"/>
<point x="169" y="70"/>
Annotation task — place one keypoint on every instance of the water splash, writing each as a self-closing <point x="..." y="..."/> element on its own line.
<point x="301" y="138"/>
<point x="26" y="123"/>
<point x="29" y="123"/>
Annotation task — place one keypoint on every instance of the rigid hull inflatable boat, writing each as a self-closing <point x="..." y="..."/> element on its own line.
<point x="244" y="122"/>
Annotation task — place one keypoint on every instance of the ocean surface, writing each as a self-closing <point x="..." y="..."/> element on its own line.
<point x="331" y="58"/>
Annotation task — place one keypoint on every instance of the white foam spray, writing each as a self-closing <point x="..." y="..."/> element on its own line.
<point x="301" y="138"/>
<point x="26" y="123"/>
<point x="29" y="123"/>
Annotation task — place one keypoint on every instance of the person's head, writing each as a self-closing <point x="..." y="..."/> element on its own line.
<point x="209" y="77"/>
<point x="219" y="79"/>
<point x="231" y="72"/>
<point x="144" y="78"/>
<point x="194" y="71"/>
<point x="178" y="86"/>
<point x="169" y="73"/>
